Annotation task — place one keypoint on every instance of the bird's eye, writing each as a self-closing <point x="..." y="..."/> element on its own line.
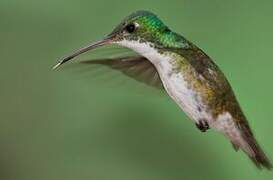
<point x="130" y="28"/>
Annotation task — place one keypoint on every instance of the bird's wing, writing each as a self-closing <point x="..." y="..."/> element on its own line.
<point x="136" y="67"/>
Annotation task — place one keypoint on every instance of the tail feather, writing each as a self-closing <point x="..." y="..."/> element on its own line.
<point x="257" y="155"/>
<point x="241" y="137"/>
<point x="235" y="146"/>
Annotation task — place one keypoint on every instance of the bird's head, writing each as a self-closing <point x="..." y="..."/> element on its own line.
<point x="138" y="31"/>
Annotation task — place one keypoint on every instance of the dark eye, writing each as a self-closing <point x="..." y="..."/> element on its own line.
<point x="130" y="28"/>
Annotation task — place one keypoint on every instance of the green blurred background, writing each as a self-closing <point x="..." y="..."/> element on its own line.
<point x="98" y="124"/>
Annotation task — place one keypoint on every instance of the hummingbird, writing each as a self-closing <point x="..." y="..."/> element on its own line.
<point x="188" y="75"/>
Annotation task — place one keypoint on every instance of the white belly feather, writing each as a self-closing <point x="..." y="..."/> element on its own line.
<point x="174" y="83"/>
<point x="179" y="90"/>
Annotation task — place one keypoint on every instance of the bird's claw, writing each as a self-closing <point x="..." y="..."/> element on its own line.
<point x="202" y="125"/>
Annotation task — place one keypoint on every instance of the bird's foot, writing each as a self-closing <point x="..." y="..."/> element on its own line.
<point x="202" y="125"/>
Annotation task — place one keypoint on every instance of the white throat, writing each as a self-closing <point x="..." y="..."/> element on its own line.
<point x="145" y="49"/>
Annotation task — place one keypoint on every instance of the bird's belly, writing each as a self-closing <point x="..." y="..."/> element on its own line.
<point x="181" y="92"/>
<point x="173" y="82"/>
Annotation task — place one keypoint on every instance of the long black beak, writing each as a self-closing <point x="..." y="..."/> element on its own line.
<point x="89" y="47"/>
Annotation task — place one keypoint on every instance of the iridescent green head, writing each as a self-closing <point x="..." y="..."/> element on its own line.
<point x="138" y="29"/>
<point x="141" y="25"/>
<point x="144" y="26"/>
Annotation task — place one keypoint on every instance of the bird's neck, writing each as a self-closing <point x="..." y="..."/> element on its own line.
<point x="164" y="61"/>
<point x="148" y="50"/>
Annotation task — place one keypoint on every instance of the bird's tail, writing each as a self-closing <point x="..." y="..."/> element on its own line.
<point x="249" y="145"/>
<point x="241" y="137"/>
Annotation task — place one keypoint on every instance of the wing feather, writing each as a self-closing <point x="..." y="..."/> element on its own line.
<point x="136" y="67"/>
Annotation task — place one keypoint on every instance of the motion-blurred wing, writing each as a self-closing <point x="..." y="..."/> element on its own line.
<point x="136" y="67"/>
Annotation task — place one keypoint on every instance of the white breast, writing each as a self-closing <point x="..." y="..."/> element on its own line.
<point x="174" y="83"/>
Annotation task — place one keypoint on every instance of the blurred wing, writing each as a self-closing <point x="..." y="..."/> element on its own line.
<point x="136" y="67"/>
